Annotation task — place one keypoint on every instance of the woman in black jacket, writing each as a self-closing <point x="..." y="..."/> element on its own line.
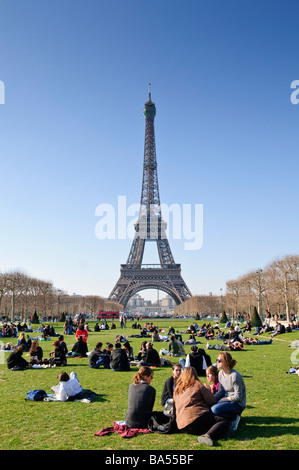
<point x="151" y="357"/>
<point x="15" y="359"/>
<point x="169" y="385"/>
<point x="59" y="358"/>
<point x="141" y="399"/>
<point x="36" y="353"/>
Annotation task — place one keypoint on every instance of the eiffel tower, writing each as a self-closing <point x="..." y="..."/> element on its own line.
<point x="150" y="227"/>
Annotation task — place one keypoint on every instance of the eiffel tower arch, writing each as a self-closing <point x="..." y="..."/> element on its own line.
<point x="150" y="227"/>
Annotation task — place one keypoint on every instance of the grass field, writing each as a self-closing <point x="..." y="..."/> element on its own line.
<point x="270" y="421"/>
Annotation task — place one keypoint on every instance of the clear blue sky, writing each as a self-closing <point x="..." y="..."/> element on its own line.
<point x="76" y="77"/>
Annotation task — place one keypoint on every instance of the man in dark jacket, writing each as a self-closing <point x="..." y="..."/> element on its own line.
<point x="98" y="358"/>
<point x="118" y="359"/>
<point x="151" y="357"/>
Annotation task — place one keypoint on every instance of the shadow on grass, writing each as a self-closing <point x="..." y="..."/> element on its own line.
<point x="100" y="398"/>
<point x="268" y="426"/>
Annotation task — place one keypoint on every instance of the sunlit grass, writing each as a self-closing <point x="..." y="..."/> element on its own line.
<point x="270" y="421"/>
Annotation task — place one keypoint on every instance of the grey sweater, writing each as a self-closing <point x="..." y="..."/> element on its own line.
<point x="231" y="385"/>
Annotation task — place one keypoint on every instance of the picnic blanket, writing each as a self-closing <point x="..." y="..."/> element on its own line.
<point x="86" y="396"/>
<point x="122" y="429"/>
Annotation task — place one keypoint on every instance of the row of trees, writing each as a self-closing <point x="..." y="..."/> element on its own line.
<point x="22" y="295"/>
<point x="200" y="305"/>
<point x="274" y="288"/>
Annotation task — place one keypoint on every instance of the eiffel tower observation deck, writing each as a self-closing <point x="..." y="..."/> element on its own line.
<point x="150" y="227"/>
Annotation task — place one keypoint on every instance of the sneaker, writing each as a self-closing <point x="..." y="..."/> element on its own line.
<point x="207" y="346"/>
<point x="233" y="427"/>
<point x="235" y="423"/>
<point x="205" y="439"/>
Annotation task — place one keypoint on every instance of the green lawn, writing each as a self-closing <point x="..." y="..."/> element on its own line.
<point x="270" y="421"/>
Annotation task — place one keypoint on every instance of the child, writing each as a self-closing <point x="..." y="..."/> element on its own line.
<point x="212" y="376"/>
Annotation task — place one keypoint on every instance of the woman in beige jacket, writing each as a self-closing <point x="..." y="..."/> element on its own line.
<point x="192" y="402"/>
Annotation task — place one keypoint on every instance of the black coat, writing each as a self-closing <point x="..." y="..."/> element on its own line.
<point x="196" y="361"/>
<point x="167" y="390"/>
<point x="119" y="360"/>
<point x="140" y="405"/>
<point x="15" y="359"/>
<point x="152" y="357"/>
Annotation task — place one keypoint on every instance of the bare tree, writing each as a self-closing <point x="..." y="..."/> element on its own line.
<point x="282" y="277"/>
<point x="3" y="287"/>
<point x="46" y="296"/>
<point x="93" y="303"/>
<point x="15" y="285"/>
<point x="233" y="289"/>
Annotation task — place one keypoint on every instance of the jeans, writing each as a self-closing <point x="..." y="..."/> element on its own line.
<point x="102" y="361"/>
<point x="227" y="409"/>
<point x="265" y="342"/>
<point x="182" y="362"/>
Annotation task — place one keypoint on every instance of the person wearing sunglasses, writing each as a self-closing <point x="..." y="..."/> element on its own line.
<point x="231" y="398"/>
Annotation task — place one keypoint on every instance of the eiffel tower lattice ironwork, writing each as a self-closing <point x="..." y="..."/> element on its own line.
<point x="135" y="276"/>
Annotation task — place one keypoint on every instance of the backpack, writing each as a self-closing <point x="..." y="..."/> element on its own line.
<point x="36" y="395"/>
<point x="160" y="423"/>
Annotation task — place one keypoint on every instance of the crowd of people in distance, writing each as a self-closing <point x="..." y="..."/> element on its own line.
<point x="11" y="330"/>
<point x="120" y="356"/>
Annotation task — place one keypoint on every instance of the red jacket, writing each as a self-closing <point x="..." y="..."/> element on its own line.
<point x="83" y="333"/>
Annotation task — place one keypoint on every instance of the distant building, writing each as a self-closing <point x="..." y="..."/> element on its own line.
<point x="139" y="305"/>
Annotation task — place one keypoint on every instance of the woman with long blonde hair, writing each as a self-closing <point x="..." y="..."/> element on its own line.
<point x="141" y="399"/>
<point x="192" y="406"/>
<point x="22" y="340"/>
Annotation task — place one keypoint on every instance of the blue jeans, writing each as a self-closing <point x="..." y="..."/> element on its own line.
<point x="102" y="361"/>
<point x="227" y="409"/>
<point x="182" y="362"/>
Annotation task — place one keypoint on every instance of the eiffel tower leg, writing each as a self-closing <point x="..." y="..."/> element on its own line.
<point x="133" y="280"/>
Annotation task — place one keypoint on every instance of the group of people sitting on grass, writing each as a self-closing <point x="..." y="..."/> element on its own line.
<point x="123" y="357"/>
<point x="210" y="410"/>
<point x="57" y="357"/>
<point x="11" y="330"/>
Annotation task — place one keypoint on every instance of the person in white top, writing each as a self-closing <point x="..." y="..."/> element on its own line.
<point x="69" y="386"/>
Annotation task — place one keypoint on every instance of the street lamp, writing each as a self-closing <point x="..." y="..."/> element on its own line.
<point x="260" y="293"/>
<point x="221" y="300"/>
<point x="75" y="306"/>
<point x="59" y="292"/>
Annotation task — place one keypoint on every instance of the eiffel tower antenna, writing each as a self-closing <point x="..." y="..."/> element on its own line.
<point x="150" y="227"/>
